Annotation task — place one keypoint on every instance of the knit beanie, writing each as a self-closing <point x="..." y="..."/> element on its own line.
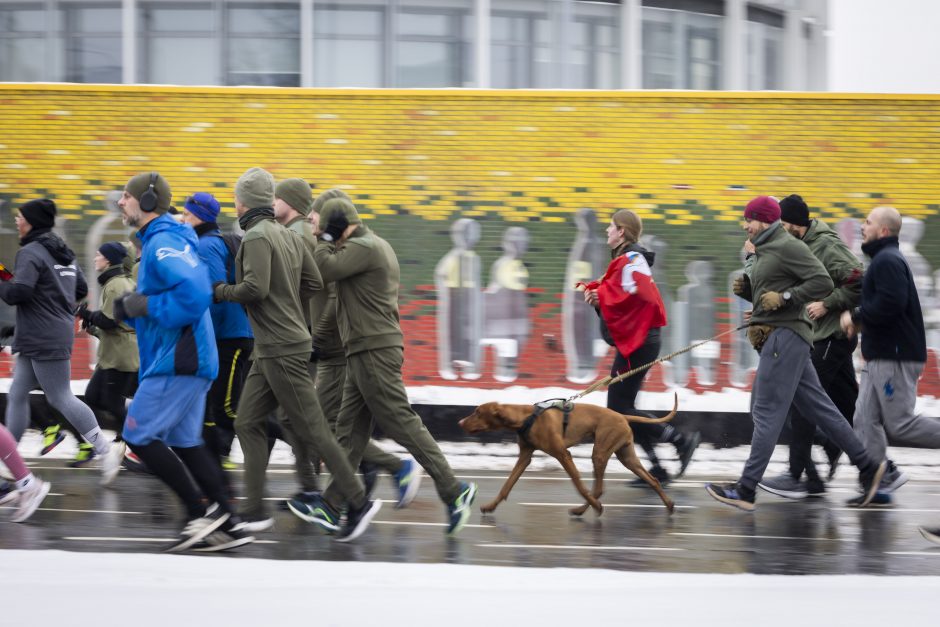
<point x="39" y="213"/>
<point x="203" y="205"/>
<point x="763" y="209"/>
<point x="114" y="252"/>
<point x="141" y="183"/>
<point x="296" y="193"/>
<point x="794" y="210"/>
<point x="339" y="205"/>
<point x="255" y="188"/>
<point x="328" y="195"/>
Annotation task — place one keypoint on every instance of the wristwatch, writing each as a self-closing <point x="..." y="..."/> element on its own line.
<point x="786" y="296"/>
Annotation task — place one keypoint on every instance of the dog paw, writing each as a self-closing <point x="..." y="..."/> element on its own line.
<point x="488" y="508"/>
<point x="577" y="511"/>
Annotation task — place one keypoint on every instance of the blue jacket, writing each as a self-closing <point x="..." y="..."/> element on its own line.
<point x="229" y="320"/>
<point x="890" y="312"/>
<point x="175" y="337"/>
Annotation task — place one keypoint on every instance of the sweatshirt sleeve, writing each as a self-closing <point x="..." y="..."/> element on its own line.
<point x="336" y="264"/>
<point x="25" y="275"/>
<point x="846" y="272"/>
<point x="890" y="295"/>
<point x="81" y="285"/>
<point x="255" y="284"/>
<point x="327" y="320"/>
<point x="310" y="280"/>
<point x="183" y="291"/>
<point x="813" y="282"/>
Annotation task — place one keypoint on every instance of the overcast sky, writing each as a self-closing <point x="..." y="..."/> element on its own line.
<point x="885" y="46"/>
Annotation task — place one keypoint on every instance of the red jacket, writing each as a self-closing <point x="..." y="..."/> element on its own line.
<point x="629" y="301"/>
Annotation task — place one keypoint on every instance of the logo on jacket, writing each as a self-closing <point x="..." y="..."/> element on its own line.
<point x="186" y="254"/>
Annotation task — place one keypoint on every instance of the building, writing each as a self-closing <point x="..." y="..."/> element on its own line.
<point x="548" y="44"/>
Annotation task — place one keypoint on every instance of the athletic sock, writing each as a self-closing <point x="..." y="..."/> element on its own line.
<point x="96" y="438"/>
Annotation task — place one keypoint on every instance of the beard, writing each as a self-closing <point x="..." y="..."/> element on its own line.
<point x="132" y="221"/>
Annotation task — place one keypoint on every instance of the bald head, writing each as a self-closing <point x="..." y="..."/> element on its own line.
<point x="882" y="222"/>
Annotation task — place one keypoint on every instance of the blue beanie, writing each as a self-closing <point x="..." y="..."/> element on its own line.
<point x="114" y="252"/>
<point x="204" y="206"/>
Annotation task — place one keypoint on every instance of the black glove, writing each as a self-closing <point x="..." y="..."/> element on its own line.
<point x="83" y="313"/>
<point x="7" y="331"/>
<point x="335" y="228"/>
<point x="315" y="354"/>
<point x="130" y="305"/>
<point x="215" y="291"/>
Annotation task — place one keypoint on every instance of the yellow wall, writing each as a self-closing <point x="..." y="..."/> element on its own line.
<point x="533" y="155"/>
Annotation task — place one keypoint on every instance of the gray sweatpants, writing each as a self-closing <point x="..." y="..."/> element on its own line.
<point x="54" y="377"/>
<point x="785" y="377"/>
<point x="885" y="408"/>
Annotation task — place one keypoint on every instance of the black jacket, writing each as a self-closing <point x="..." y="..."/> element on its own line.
<point x="890" y="313"/>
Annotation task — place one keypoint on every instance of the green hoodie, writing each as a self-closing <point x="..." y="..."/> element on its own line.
<point x="844" y="269"/>
<point x="275" y="277"/>
<point x="367" y="276"/>
<point x="300" y="226"/>
<point x="783" y="263"/>
<point x="117" y="347"/>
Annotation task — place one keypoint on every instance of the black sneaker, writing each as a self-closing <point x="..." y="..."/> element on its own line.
<point x="198" y="528"/>
<point x="370" y="475"/>
<point x="870" y="478"/>
<point x="880" y="500"/>
<point x="686" y="450"/>
<point x="930" y="533"/>
<point x="815" y="488"/>
<point x="357" y="521"/>
<point x="833" y="455"/>
<point x="733" y="494"/>
<point x="303" y="497"/>
<point x="226" y="537"/>
<point x="658" y="472"/>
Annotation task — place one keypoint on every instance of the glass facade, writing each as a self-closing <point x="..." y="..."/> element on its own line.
<point x="548" y="44"/>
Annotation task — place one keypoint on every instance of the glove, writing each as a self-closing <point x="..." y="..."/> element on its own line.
<point x="7" y="331"/>
<point x="216" y="294"/>
<point x="335" y="228"/>
<point x="738" y="286"/>
<point x="83" y="313"/>
<point x="757" y="334"/>
<point x="130" y="305"/>
<point x="315" y="354"/>
<point x="771" y="301"/>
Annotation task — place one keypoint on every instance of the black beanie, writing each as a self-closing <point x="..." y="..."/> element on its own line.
<point x="794" y="210"/>
<point x="39" y="213"/>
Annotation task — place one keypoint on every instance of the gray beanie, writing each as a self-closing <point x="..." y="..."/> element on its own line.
<point x="328" y="195"/>
<point x="141" y="183"/>
<point x="339" y="205"/>
<point x="255" y="188"/>
<point x="296" y="193"/>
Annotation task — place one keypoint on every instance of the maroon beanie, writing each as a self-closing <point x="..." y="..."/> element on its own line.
<point x="762" y="209"/>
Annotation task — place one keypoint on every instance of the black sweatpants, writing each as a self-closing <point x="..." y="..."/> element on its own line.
<point x="832" y="359"/>
<point x="621" y="396"/>
<point x="106" y="392"/>
<point x="222" y="399"/>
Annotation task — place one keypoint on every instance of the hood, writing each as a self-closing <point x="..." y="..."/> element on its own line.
<point x="635" y="247"/>
<point x="56" y="247"/>
<point x="819" y="230"/>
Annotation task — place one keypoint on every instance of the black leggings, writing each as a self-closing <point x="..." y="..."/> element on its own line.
<point x="621" y="397"/>
<point x="107" y="391"/>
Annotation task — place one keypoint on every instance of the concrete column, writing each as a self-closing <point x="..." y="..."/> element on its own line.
<point x="794" y="52"/>
<point x="481" y="49"/>
<point x="562" y="22"/>
<point x="631" y="44"/>
<point x="734" y="60"/>
<point x="129" y="41"/>
<point x="306" y="43"/>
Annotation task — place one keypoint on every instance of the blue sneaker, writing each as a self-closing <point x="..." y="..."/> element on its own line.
<point x="881" y="499"/>
<point x="315" y="511"/>
<point x="733" y="494"/>
<point x="459" y="510"/>
<point x="408" y="479"/>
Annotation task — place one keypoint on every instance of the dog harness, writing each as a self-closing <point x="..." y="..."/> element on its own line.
<point x="563" y="405"/>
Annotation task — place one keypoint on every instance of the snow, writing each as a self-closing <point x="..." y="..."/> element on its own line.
<point x="147" y="590"/>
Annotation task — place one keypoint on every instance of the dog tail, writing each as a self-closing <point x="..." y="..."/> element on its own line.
<point x="665" y="418"/>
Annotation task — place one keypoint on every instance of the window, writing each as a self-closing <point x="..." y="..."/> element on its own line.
<point x="22" y="43"/>
<point x="681" y="50"/>
<point x="595" y="56"/>
<point x="521" y="54"/>
<point x="262" y="44"/>
<point x="349" y="46"/>
<point x="764" y="56"/>
<point x="92" y="43"/>
<point x="179" y="45"/>
<point x="434" y="48"/>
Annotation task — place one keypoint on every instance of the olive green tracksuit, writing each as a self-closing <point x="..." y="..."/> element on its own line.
<point x="275" y="276"/>
<point x="330" y="374"/>
<point x="367" y="276"/>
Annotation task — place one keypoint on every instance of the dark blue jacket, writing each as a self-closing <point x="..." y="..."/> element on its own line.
<point x="175" y="337"/>
<point x="228" y="319"/>
<point x="890" y="313"/>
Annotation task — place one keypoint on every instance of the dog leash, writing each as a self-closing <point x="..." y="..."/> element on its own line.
<point x="609" y="380"/>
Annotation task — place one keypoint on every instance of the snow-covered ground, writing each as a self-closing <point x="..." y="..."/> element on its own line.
<point x="146" y="590"/>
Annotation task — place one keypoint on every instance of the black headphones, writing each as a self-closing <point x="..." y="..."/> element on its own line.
<point x="149" y="199"/>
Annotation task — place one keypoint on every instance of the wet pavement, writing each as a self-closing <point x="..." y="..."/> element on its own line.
<point x="820" y="536"/>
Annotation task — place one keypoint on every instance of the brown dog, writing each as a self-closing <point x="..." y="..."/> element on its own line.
<point x="612" y="436"/>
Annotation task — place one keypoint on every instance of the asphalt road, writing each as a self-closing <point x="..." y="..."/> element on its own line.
<point x="139" y="515"/>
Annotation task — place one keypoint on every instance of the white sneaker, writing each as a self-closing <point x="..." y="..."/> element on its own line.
<point x="111" y="462"/>
<point x="30" y="498"/>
